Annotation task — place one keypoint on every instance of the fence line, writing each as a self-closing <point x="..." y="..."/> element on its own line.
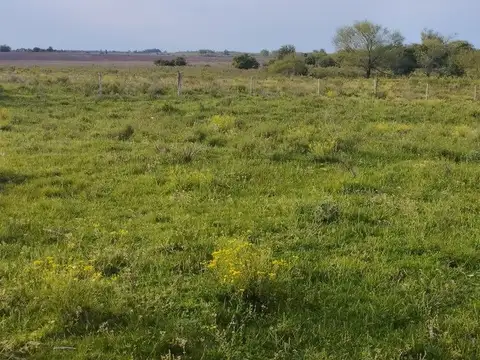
<point x="409" y="89"/>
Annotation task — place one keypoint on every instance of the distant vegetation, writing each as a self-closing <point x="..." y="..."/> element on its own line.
<point x="361" y="49"/>
<point x="179" y="61"/>
<point x="365" y="48"/>
<point x="206" y="52"/>
<point x="245" y="61"/>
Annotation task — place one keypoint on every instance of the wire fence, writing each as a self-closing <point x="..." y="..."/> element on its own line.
<point x="127" y="86"/>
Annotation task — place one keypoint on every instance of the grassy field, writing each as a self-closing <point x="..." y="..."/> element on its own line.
<point x="223" y="225"/>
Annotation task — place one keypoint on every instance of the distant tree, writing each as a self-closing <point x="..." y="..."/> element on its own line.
<point x="366" y="43"/>
<point x="151" y="51"/>
<point x="245" y="61"/>
<point x="5" y="48"/>
<point x="36" y="49"/>
<point x="50" y="49"/>
<point x="285" y="51"/>
<point x="226" y="52"/>
<point x="265" y="53"/>
<point x="179" y="61"/>
<point x="206" y="52"/>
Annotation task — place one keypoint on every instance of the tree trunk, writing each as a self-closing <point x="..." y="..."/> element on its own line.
<point x="368" y="72"/>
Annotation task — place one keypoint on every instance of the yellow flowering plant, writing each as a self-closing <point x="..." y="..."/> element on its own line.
<point x="223" y="122"/>
<point x="241" y="264"/>
<point x="48" y="268"/>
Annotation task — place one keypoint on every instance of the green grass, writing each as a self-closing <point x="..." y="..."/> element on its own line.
<point x="350" y="223"/>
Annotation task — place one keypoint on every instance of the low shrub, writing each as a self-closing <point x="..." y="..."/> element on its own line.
<point x="179" y="61"/>
<point x="288" y="66"/>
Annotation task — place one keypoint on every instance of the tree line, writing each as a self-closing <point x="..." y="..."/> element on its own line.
<point x="365" y="48"/>
<point x="6" y="48"/>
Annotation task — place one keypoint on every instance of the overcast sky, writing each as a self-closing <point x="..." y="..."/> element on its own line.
<point x="247" y="25"/>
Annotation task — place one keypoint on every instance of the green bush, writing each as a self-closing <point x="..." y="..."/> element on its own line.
<point x="179" y="61"/>
<point x="326" y="61"/>
<point x="286" y="51"/>
<point x="245" y="61"/>
<point x="310" y="59"/>
<point x="288" y="66"/>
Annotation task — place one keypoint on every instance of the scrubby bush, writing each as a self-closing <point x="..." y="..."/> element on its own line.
<point x="286" y="51"/>
<point x="326" y="61"/>
<point x="245" y="61"/>
<point x="310" y="59"/>
<point x="452" y="68"/>
<point x="288" y="66"/>
<point x="179" y="61"/>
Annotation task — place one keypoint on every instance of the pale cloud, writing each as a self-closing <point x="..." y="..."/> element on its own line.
<point x="219" y="24"/>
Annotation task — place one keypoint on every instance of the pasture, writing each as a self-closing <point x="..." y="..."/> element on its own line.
<point x="282" y="221"/>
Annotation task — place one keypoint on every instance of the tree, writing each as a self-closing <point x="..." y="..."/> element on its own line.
<point x="245" y="61"/>
<point x="366" y="43"/>
<point x="433" y="52"/>
<point x="5" y="48"/>
<point x="50" y="49"/>
<point x="285" y="51"/>
<point x="226" y="52"/>
<point x="458" y="46"/>
<point x="265" y="53"/>
<point x="402" y="60"/>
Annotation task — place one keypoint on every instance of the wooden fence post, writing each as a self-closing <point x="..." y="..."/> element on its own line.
<point x="427" y="91"/>
<point x="179" y="83"/>
<point x="318" y="86"/>
<point x="375" y="86"/>
<point x="100" y="90"/>
<point x="251" y="85"/>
